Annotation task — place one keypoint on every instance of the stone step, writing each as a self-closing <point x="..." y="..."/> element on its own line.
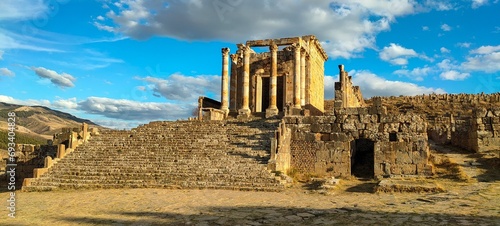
<point x="186" y="154"/>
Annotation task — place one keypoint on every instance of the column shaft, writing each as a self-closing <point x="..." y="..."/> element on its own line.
<point x="296" y="89"/>
<point x="245" y="109"/>
<point x="303" y="78"/>
<point x="225" y="79"/>
<point x="274" y="77"/>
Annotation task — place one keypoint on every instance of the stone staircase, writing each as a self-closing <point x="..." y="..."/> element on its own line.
<point x="184" y="154"/>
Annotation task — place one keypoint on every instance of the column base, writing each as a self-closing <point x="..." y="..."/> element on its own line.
<point x="244" y="113"/>
<point x="270" y="112"/>
<point x="296" y="110"/>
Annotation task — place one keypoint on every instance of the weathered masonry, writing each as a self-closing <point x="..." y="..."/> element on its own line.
<point x="290" y="75"/>
<point x="355" y="139"/>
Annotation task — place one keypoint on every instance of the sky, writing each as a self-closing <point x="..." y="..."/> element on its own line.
<point x="121" y="63"/>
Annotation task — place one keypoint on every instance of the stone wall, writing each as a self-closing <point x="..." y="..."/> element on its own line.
<point x="486" y="129"/>
<point x="29" y="157"/>
<point x="315" y="90"/>
<point x="347" y="95"/>
<point x="327" y="144"/>
<point x="479" y="132"/>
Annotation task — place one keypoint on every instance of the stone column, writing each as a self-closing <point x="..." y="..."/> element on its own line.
<point x="296" y="74"/>
<point x="233" y="93"/>
<point x="303" y="78"/>
<point x="273" y="92"/>
<point x="225" y="78"/>
<point x="245" y="109"/>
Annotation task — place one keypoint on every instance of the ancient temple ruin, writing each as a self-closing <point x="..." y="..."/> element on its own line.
<point x="272" y="119"/>
<point x="289" y="75"/>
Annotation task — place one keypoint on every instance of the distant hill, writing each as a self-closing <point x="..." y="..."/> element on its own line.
<point x="38" y="122"/>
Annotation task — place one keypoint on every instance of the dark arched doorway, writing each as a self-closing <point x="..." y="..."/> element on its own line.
<point x="362" y="158"/>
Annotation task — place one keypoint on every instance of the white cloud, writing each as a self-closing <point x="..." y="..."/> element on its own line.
<point x="6" y="72"/>
<point x="62" y="80"/>
<point x="478" y="3"/>
<point x="396" y="54"/>
<point x="444" y="50"/>
<point x="417" y="74"/>
<point x="65" y="103"/>
<point x="21" y="9"/>
<point x="445" y="27"/>
<point x="464" y="44"/>
<point x="486" y="50"/>
<point x="484" y="58"/>
<point x="347" y="27"/>
<point x="329" y="85"/>
<point x="438" y="5"/>
<point x="425" y="28"/>
<point x="134" y="110"/>
<point x="1" y="54"/>
<point x="183" y="88"/>
<point x="453" y="75"/>
<point x="373" y="85"/>
<point x="29" y="102"/>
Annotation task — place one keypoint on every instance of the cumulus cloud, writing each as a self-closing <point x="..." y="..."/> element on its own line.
<point x="62" y="80"/>
<point x="1" y="55"/>
<point x="6" y="72"/>
<point x="373" y="85"/>
<point x="347" y="27"/>
<point x="65" y="103"/>
<point x="484" y="58"/>
<point x="134" y="110"/>
<point x="453" y="75"/>
<point x="445" y="27"/>
<point x="444" y="50"/>
<point x="396" y="54"/>
<point x="417" y="74"/>
<point x="183" y="88"/>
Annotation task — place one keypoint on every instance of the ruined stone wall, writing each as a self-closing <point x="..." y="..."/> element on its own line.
<point x="315" y="90"/>
<point x="347" y="95"/>
<point x="30" y="157"/>
<point x="486" y="128"/>
<point x="324" y="144"/>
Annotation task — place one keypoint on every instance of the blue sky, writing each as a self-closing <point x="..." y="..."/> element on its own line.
<point x="123" y="63"/>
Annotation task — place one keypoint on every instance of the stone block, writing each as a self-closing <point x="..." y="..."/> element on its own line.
<point x="290" y="120"/>
<point x="336" y="127"/>
<point x="38" y="172"/>
<point x="339" y="137"/>
<point x="325" y="137"/>
<point x="360" y="126"/>
<point x="48" y="162"/>
<point x="310" y="136"/>
<point x="299" y="135"/>
<point x="372" y="127"/>
<point x="306" y="120"/>
<point x="352" y="111"/>
<point x="304" y="127"/>
<point x="322" y="155"/>
<point x="363" y="111"/>
<point x="349" y="127"/>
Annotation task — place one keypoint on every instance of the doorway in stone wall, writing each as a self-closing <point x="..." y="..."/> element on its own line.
<point x="263" y="90"/>
<point x="362" y="158"/>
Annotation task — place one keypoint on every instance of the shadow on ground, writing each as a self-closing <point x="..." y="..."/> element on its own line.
<point x="251" y="215"/>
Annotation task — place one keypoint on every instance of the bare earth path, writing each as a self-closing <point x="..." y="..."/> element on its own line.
<point x="459" y="206"/>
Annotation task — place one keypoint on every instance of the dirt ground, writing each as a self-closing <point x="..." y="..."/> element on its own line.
<point x="472" y="197"/>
